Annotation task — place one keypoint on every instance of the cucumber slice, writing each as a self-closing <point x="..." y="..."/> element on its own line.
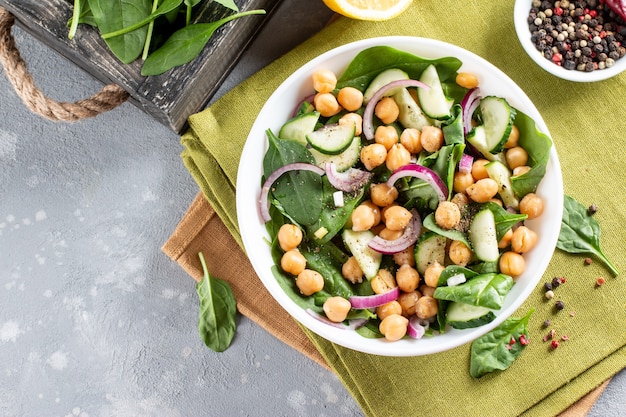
<point x="411" y="115"/>
<point x="368" y="259"/>
<point x="298" y="127"/>
<point x="430" y="248"/>
<point x="343" y="161"/>
<point x="381" y="80"/>
<point x="331" y="139"/>
<point x="500" y="173"/>
<point x="483" y="237"/>
<point x="433" y="100"/>
<point x="478" y="140"/>
<point x="465" y="316"/>
<point x="498" y="117"/>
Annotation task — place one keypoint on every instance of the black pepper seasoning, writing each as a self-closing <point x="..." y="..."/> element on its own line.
<point x="559" y="305"/>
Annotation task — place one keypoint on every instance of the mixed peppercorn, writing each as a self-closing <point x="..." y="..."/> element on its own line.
<point x="577" y="35"/>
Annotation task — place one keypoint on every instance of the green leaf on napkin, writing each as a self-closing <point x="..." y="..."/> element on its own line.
<point x="499" y="348"/>
<point x="218" y="310"/>
<point x="580" y="233"/>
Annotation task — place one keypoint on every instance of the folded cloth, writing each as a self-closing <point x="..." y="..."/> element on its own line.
<point x="585" y="125"/>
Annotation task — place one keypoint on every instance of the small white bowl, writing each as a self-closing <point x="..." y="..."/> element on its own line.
<point x="278" y="109"/>
<point x="520" y="16"/>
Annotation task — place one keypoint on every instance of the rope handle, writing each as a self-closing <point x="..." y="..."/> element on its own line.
<point x="106" y="99"/>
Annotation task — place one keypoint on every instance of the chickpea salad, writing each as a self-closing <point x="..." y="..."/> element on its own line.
<point x="396" y="197"/>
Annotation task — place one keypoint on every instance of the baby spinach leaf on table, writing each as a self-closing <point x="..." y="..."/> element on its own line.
<point x="218" y="311"/>
<point x="300" y="193"/>
<point x="112" y="15"/>
<point x="494" y="350"/>
<point x="485" y="290"/>
<point x="185" y="44"/>
<point x="580" y="233"/>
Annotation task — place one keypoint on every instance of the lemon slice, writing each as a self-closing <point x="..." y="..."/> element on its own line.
<point x="368" y="9"/>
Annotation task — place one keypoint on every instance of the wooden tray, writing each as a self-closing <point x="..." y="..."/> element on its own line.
<point x="170" y="97"/>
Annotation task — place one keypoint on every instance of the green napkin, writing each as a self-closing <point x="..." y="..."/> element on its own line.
<point x="588" y="127"/>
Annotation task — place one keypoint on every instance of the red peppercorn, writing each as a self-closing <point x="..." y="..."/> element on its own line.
<point x="512" y="342"/>
<point x="593" y="13"/>
<point x="557" y="58"/>
<point x="558" y="11"/>
<point x="554" y="344"/>
<point x="562" y="280"/>
<point x="600" y="281"/>
<point x="523" y="340"/>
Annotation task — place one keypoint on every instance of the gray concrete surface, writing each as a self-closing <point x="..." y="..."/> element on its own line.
<point x="94" y="319"/>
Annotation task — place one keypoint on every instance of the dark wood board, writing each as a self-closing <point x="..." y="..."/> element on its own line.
<point x="170" y="97"/>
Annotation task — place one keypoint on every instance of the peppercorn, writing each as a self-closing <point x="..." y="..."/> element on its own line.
<point x="588" y="261"/>
<point x="559" y="305"/>
<point x="600" y="281"/>
<point x="554" y="344"/>
<point x="546" y="323"/>
<point x="565" y="337"/>
<point x="556" y="282"/>
<point x="549" y="294"/>
<point x="547" y="286"/>
<point x="523" y="340"/>
<point x="592" y="209"/>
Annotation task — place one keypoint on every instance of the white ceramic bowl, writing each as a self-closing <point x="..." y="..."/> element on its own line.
<point x="520" y="16"/>
<point x="278" y="109"/>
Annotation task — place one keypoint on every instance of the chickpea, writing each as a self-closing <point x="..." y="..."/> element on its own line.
<point x="387" y="110"/>
<point x="447" y="215"/>
<point x="385" y="310"/>
<point x="289" y="236"/>
<point x="352" y="118"/>
<point x="324" y="81"/>
<point x="397" y="217"/>
<point x="461" y="181"/>
<point x="432" y="138"/>
<point x="411" y="139"/>
<point x="531" y="205"/>
<point x="351" y="270"/>
<point x="389" y="234"/>
<point x="459" y="253"/>
<point x="431" y="275"/>
<point x="407" y="278"/>
<point x="383" y="282"/>
<point x="293" y="262"/>
<point x="394" y="327"/>
<point x="363" y="218"/>
<point x="386" y="136"/>
<point x="460" y="199"/>
<point x="377" y="213"/>
<point x="482" y="190"/>
<point x="426" y="307"/>
<point x="382" y="195"/>
<point x="467" y="80"/>
<point x="478" y="169"/>
<point x="373" y="155"/>
<point x="336" y="308"/>
<point x="408" y="301"/>
<point x="397" y="157"/>
<point x="426" y="290"/>
<point x="326" y="104"/>
<point x="516" y="157"/>
<point x="520" y="170"/>
<point x="512" y="264"/>
<point x="513" y="138"/>
<point x="523" y="239"/>
<point x="405" y="257"/>
<point x="309" y="282"/>
<point x="350" y="98"/>
<point x="497" y="201"/>
<point x="506" y="239"/>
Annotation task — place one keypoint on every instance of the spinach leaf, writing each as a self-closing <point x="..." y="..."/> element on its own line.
<point x="453" y="129"/>
<point x="430" y="224"/>
<point x="226" y="3"/>
<point x="580" y="233"/>
<point x="503" y="218"/>
<point x="218" y="310"/>
<point x="164" y="8"/>
<point x="452" y="270"/>
<point x="185" y="44"/>
<point x="494" y="350"/>
<point x="327" y="259"/>
<point x="538" y="147"/>
<point x="447" y="158"/>
<point x="112" y="15"/>
<point x="485" y="290"/>
<point x="80" y="14"/>
<point x="299" y="193"/>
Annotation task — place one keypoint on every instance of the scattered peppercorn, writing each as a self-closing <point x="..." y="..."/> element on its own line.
<point x="546" y="323"/>
<point x="578" y="35"/>
<point x="554" y="344"/>
<point x="549" y="295"/>
<point x="524" y="340"/>
<point x="588" y="261"/>
<point x="600" y="281"/>
<point x="547" y="286"/>
<point x="593" y="209"/>
<point x="560" y="305"/>
<point x="555" y="282"/>
<point x="565" y="337"/>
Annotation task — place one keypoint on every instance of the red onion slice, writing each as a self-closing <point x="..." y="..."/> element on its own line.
<point x="376" y="300"/>
<point x="267" y="185"/>
<point x="416" y="328"/>
<point x="368" y="113"/>
<point x="465" y="164"/>
<point x="423" y="173"/>
<point x="469" y="104"/>
<point x="348" y="181"/>
<point x="308" y="98"/>
<point x="409" y="237"/>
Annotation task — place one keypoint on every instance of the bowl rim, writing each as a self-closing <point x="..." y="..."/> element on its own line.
<point x="520" y="14"/>
<point x="248" y="186"/>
